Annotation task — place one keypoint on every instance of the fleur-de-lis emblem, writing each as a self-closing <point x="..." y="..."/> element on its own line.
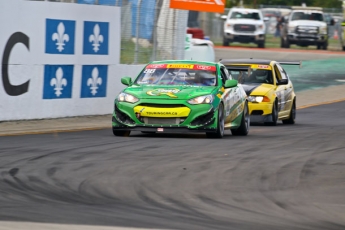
<point x="60" y="37"/>
<point x="58" y="81"/>
<point x="96" y="38"/>
<point x="94" y="81"/>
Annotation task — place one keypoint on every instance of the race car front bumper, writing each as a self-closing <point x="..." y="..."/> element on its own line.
<point x="260" y="112"/>
<point x="164" y="118"/>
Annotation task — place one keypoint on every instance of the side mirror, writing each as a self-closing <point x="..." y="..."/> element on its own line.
<point x="224" y="17"/>
<point x="126" y="81"/>
<point x="283" y="82"/>
<point x="332" y="22"/>
<point x="230" y="83"/>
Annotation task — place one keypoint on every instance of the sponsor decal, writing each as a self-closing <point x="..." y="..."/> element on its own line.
<point x="164" y="113"/>
<point x="205" y="67"/>
<point x="180" y="66"/>
<point x="260" y="67"/>
<point x="159" y="92"/>
<point x="156" y="66"/>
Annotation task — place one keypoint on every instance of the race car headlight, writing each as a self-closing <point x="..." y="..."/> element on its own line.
<point x="258" y="99"/>
<point x="207" y="99"/>
<point x="125" y="97"/>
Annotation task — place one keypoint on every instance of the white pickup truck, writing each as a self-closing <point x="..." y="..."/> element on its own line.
<point x="244" y="26"/>
<point x="305" y="26"/>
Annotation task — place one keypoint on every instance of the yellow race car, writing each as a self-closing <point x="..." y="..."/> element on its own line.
<point x="270" y="92"/>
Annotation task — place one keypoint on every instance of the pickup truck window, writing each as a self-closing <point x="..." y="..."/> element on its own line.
<point x="307" y="16"/>
<point x="245" y="15"/>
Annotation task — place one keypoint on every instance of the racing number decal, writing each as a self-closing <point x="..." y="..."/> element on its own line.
<point x="149" y="70"/>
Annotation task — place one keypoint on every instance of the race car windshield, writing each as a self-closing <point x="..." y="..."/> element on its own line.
<point x="255" y="76"/>
<point x="177" y="76"/>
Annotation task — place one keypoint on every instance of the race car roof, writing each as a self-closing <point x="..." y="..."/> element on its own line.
<point x="183" y="61"/>
<point x="245" y="61"/>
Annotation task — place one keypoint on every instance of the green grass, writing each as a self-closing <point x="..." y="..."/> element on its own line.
<point x="129" y="55"/>
<point x="274" y="42"/>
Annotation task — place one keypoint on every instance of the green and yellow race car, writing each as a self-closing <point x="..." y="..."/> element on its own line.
<point x="270" y="91"/>
<point x="181" y="96"/>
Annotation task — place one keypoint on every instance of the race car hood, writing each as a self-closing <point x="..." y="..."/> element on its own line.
<point x="307" y="23"/>
<point x="257" y="88"/>
<point x="168" y="92"/>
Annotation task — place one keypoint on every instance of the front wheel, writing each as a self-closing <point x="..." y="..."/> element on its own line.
<point x="245" y="121"/>
<point x="282" y="43"/>
<point x="220" y="124"/>
<point x="121" y="133"/>
<point x="225" y="41"/>
<point x="261" y="44"/>
<point x="274" y="115"/>
<point x="292" y="117"/>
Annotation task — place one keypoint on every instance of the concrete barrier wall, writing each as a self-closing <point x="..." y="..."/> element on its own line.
<point x="59" y="60"/>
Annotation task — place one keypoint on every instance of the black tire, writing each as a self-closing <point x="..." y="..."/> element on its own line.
<point x="282" y="43"/>
<point x="121" y="133"/>
<point x="343" y="48"/>
<point x="325" y="45"/>
<point x="225" y="41"/>
<point x="245" y="123"/>
<point x="292" y="116"/>
<point x="287" y="44"/>
<point x="274" y="115"/>
<point x="318" y="46"/>
<point x="261" y="44"/>
<point x="220" y="124"/>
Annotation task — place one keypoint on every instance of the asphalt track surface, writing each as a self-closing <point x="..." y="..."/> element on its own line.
<point x="283" y="177"/>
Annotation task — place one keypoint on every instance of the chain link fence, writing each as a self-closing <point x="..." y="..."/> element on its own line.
<point x="213" y="25"/>
<point x="150" y="30"/>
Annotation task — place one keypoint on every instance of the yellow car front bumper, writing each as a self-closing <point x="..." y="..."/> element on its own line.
<point x="260" y="112"/>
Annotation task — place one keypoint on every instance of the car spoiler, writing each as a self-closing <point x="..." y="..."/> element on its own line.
<point x="291" y="63"/>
